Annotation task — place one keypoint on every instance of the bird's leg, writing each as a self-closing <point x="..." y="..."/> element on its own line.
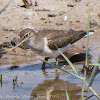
<point x="56" y="71"/>
<point x="56" y="61"/>
<point x="43" y="64"/>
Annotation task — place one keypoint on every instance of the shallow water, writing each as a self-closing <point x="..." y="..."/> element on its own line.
<point x="29" y="77"/>
<point x="33" y="84"/>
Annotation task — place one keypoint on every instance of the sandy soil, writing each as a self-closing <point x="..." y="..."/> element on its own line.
<point x="68" y="14"/>
<point x="49" y="14"/>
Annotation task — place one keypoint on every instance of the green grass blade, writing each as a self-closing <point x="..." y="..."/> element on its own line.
<point x="87" y="39"/>
<point x="94" y="64"/>
<point x="3" y="52"/>
<point x="88" y="97"/>
<point x="94" y="72"/>
<point x="83" y="83"/>
<point x="69" y="62"/>
<point x="75" y="76"/>
<point x="63" y="70"/>
<point x="5" y="6"/>
<point x="67" y="96"/>
<point x="92" y="90"/>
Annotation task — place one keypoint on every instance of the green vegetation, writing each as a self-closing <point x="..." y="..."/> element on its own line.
<point x="76" y="74"/>
<point x="86" y="64"/>
<point x="1" y="10"/>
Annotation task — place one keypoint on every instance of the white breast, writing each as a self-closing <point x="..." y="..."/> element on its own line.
<point x="46" y="48"/>
<point x="53" y="53"/>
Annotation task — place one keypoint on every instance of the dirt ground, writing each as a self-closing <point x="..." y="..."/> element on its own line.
<point x="48" y="14"/>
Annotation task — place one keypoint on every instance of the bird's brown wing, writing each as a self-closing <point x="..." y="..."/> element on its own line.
<point x="63" y="38"/>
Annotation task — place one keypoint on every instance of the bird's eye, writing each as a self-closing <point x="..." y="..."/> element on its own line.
<point x="27" y="35"/>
